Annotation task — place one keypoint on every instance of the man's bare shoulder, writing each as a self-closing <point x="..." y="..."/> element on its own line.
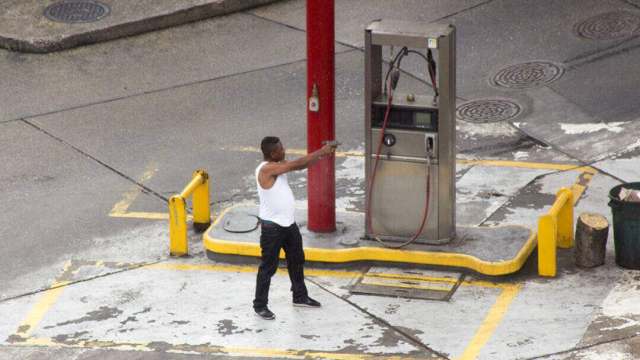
<point x="276" y="168"/>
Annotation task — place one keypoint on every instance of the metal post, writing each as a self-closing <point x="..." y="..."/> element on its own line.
<point x="178" y="245"/>
<point x="321" y="119"/>
<point x="201" y="210"/>
<point x="547" y="243"/>
<point x="565" y="219"/>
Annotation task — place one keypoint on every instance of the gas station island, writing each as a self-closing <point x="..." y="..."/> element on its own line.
<point x="409" y="215"/>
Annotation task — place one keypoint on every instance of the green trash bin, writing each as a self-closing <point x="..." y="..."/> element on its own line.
<point x="626" y="227"/>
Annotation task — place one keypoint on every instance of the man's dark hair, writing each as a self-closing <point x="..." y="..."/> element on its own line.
<point x="269" y="144"/>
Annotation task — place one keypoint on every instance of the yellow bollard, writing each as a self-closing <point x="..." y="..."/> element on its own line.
<point x="547" y="228"/>
<point x="565" y="220"/>
<point x="201" y="211"/>
<point x="178" y="245"/>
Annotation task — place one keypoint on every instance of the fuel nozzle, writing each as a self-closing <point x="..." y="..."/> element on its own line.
<point x="394" y="78"/>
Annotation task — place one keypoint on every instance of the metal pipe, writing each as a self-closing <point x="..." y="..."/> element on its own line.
<point x="201" y="211"/>
<point x="561" y="199"/>
<point x="321" y="119"/>
<point x="555" y="229"/>
<point x="197" y="180"/>
<point x="178" y="245"/>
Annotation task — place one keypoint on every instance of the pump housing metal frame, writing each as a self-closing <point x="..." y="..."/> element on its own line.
<point x="399" y="191"/>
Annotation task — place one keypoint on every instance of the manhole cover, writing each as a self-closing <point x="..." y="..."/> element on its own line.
<point x="609" y="26"/>
<point x="76" y="11"/>
<point x="527" y="75"/>
<point x="241" y="223"/>
<point x="488" y="110"/>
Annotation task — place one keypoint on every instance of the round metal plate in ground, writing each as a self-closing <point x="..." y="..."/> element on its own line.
<point x="527" y="75"/>
<point x="240" y="223"/>
<point x="488" y="110"/>
<point x="609" y="26"/>
<point x="77" y="11"/>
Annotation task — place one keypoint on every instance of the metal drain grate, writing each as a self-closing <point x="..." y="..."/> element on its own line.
<point x="488" y="110"/>
<point x="609" y="26"/>
<point x="527" y="75"/>
<point x="76" y="11"/>
<point x="411" y="284"/>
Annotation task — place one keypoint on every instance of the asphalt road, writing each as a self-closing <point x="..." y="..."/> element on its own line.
<point x="80" y="129"/>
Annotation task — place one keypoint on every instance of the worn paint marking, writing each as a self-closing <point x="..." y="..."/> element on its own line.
<point x="119" y="210"/>
<point x="581" y="184"/>
<point x="130" y="196"/>
<point x="524" y="165"/>
<point x="490" y="322"/>
<point x="146" y="215"/>
<point x="321" y="272"/>
<point x="203" y="349"/>
<point x="300" y="152"/>
<point x="40" y="309"/>
<point x="498" y="163"/>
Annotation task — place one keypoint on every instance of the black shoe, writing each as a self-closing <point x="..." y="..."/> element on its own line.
<point x="307" y="302"/>
<point x="265" y="313"/>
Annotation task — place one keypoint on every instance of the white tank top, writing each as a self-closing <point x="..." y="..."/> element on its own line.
<point x="277" y="203"/>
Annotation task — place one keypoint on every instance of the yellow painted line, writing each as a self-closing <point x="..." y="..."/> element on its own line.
<point x="490" y="322"/>
<point x="581" y="184"/>
<point x="247" y="269"/>
<point x="93" y="344"/>
<point x="203" y="349"/>
<point x="300" y="152"/>
<point x="497" y="163"/>
<point x="316" y="272"/>
<point x="40" y="309"/>
<point x="129" y="197"/>
<point x="522" y="164"/>
<point x="147" y="215"/>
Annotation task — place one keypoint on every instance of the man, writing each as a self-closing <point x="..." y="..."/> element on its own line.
<point x="279" y="229"/>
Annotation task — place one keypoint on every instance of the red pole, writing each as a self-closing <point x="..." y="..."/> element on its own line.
<point x="321" y="188"/>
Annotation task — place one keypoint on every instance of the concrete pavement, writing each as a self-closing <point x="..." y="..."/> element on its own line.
<point x="96" y="138"/>
<point x="42" y="27"/>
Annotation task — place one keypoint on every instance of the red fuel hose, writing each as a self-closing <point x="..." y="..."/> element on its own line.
<point x="373" y="176"/>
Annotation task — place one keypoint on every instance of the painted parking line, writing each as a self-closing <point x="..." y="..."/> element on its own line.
<point x="121" y="208"/>
<point x="207" y="349"/>
<point x="40" y="309"/>
<point x="490" y="322"/>
<point x="130" y="195"/>
<point x="582" y="182"/>
<point x="23" y="337"/>
<point x="481" y="162"/>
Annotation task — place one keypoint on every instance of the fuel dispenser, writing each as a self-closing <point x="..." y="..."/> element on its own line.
<point x="409" y="137"/>
<point x="409" y="171"/>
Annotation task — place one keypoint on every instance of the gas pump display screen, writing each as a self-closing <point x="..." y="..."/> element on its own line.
<point x="406" y="118"/>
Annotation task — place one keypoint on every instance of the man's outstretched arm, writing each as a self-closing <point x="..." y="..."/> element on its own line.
<point x="275" y="169"/>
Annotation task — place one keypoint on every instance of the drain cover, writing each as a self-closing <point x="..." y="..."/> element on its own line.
<point x="76" y="11"/>
<point x="241" y="223"/>
<point x="410" y="284"/>
<point x="488" y="110"/>
<point x="527" y="75"/>
<point x="609" y="26"/>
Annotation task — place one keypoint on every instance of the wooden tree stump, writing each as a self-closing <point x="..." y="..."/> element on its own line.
<point x="592" y="231"/>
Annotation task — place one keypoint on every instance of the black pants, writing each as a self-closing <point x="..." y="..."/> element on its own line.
<point x="272" y="239"/>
